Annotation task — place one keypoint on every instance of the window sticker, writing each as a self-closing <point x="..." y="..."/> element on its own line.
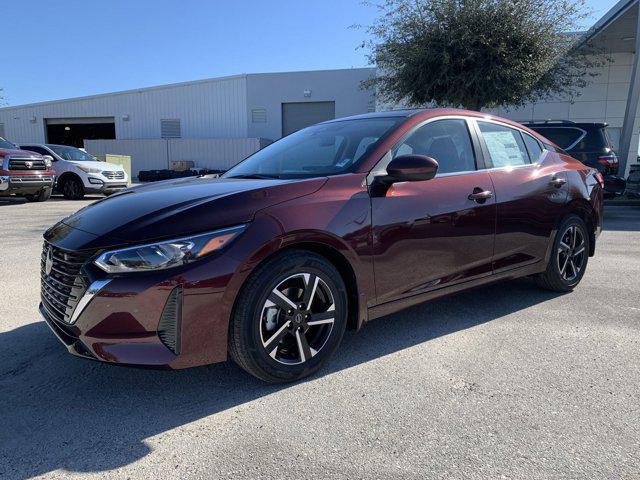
<point x="503" y="149"/>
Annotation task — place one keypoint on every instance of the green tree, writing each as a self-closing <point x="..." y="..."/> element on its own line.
<point x="479" y="53"/>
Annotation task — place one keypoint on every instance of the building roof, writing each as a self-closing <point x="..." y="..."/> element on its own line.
<point x="175" y="85"/>
<point x="616" y="30"/>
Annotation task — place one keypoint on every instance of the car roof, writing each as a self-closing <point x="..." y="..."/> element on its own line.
<point x="382" y="114"/>
<point x="583" y="125"/>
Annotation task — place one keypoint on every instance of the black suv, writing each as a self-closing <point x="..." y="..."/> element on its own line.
<point x="589" y="143"/>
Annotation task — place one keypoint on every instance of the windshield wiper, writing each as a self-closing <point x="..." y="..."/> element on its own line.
<point x="256" y="176"/>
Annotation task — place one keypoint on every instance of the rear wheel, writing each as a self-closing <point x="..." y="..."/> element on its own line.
<point x="72" y="189"/>
<point x="569" y="257"/>
<point x="42" y="196"/>
<point x="289" y="318"/>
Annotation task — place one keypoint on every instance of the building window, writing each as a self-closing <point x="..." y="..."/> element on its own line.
<point x="259" y="115"/>
<point x="170" y="128"/>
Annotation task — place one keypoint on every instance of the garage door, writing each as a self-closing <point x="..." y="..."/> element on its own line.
<point x="74" y="131"/>
<point x="302" y="114"/>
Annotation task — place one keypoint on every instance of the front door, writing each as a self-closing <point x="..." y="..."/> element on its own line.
<point x="431" y="234"/>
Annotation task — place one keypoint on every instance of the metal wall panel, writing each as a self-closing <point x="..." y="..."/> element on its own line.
<point x="156" y="154"/>
<point x="206" y="109"/>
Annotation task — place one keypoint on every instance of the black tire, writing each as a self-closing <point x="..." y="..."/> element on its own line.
<point x="557" y="277"/>
<point x="42" y="196"/>
<point x="73" y="189"/>
<point x="247" y="327"/>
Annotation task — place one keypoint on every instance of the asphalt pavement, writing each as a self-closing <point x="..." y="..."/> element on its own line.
<point x="506" y="381"/>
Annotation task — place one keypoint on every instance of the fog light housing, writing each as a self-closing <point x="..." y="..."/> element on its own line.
<point x="95" y="181"/>
<point x="171" y="320"/>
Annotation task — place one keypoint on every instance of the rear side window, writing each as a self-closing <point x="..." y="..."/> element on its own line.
<point x="564" y="137"/>
<point x="594" y="141"/>
<point x="505" y="145"/>
<point x="446" y="141"/>
<point x="533" y="147"/>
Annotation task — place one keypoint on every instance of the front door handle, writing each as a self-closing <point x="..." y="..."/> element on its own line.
<point x="557" y="182"/>
<point x="480" y="195"/>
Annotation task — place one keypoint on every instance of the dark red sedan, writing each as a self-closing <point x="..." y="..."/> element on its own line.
<point x="324" y="230"/>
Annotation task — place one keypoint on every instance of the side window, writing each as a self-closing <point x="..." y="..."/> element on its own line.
<point x="505" y="145"/>
<point x="564" y="137"/>
<point x="533" y="147"/>
<point x="446" y="141"/>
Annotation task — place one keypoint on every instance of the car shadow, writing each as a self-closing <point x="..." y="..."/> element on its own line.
<point x="61" y="412"/>
<point x="621" y="218"/>
<point x="9" y="201"/>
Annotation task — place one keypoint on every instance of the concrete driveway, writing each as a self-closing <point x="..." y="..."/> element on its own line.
<point x="507" y="381"/>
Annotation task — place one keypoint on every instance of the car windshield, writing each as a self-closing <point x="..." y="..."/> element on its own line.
<point x="7" y="144"/>
<point x="324" y="149"/>
<point x="71" y="153"/>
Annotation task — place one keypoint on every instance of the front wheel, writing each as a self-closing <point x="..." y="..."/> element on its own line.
<point x="42" y="196"/>
<point x="289" y="318"/>
<point x="569" y="257"/>
<point x="73" y="189"/>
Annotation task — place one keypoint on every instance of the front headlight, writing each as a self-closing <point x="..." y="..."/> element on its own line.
<point x="88" y="169"/>
<point x="166" y="254"/>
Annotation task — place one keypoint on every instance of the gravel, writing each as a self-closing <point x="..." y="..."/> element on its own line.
<point x="504" y="381"/>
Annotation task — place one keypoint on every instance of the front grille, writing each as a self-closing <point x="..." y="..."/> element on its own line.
<point x="114" y="175"/>
<point x="32" y="179"/>
<point x="26" y="164"/>
<point x="63" y="285"/>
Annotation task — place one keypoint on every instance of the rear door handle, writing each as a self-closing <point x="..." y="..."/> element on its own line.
<point x="557" y="182"/>
<point x="480" y="195"/>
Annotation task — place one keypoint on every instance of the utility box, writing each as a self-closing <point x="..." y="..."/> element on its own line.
<point x="182" y="164"/>
<point x="124" y="160"/>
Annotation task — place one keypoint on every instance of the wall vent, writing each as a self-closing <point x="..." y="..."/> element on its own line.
<point x="259" y="115"/>
<point x="170" y="128"/>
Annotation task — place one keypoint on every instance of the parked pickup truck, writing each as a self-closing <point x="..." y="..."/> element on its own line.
<point x="25" y="174"/>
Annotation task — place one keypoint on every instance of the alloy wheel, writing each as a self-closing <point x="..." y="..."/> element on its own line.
<point x="297" y="318"/>
<point x="71" y="188"/>
<point x="571" y="253"/>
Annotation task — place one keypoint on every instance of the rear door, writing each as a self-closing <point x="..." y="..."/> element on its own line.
<point x="530" y="191"/>
<point x="431" y="234"/>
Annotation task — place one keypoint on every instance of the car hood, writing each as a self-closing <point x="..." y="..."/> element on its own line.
<point x="103" y="166"/>
<point x="173" y="208"/>
<point x="20" y="153"/>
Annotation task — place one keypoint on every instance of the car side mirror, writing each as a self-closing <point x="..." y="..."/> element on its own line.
<point x="411" y="168"/>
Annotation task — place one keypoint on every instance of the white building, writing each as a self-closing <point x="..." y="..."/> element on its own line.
<point x="613" y="94"/>
<point x="215" y="122"/>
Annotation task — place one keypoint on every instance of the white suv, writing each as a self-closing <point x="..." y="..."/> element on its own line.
<point x="79" y="173"/>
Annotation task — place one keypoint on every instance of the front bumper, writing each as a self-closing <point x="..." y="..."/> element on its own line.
<point x="25" y="184"/>
<point x="101" y="184"/>
<point x="125" y="320"/>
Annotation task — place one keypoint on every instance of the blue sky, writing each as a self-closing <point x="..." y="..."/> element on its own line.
<point x="61" y="49"/>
